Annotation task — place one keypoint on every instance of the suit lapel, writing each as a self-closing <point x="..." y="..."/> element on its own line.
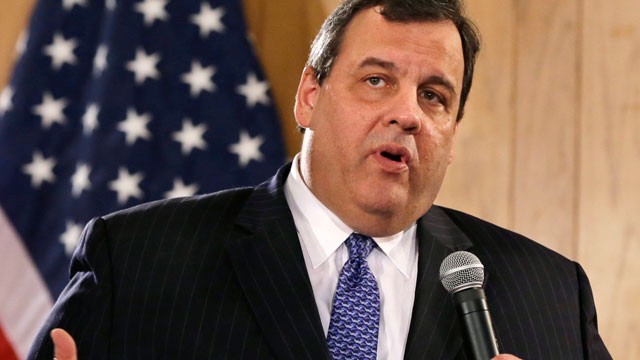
<point x="434" y="332"/>
<point x="267" y="258"/>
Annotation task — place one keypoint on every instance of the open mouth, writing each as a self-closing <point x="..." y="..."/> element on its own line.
<point x="390" y="156"/>
<point x="393" y="158"/>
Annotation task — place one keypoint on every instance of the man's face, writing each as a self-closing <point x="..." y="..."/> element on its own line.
<point x="380" y="128"/>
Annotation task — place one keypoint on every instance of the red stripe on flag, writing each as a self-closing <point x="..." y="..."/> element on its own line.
<point x="25" y="299"/>
<point x="6" y="350"/>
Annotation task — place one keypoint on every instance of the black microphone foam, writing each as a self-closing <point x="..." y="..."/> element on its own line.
<point x="462" y="274"/>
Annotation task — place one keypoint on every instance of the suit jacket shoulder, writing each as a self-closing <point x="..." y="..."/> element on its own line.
<point x="483" y="231"/>
<point x="220" y="205"/>
<point x="541" y="301"/>
<point x="219" y="276"/>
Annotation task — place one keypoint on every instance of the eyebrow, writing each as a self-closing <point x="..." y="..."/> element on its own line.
<point x="374" y="61"/>
<point x="388" y="65"/>
<point x="439" y="80"/>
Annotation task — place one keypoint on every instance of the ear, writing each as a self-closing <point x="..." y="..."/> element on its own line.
<point x="453" y="142"/>
<point x="306" y="95"/>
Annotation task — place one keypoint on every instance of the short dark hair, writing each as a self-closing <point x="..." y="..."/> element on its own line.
<point x="326" y="45"/>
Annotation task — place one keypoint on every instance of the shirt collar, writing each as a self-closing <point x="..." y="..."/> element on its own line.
<point x="322" y="232"/>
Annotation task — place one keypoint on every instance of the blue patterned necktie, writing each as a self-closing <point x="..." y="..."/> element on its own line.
<point x="355" y="316"/>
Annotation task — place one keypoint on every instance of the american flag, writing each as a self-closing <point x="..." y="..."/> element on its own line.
<point x="113" y="103"/>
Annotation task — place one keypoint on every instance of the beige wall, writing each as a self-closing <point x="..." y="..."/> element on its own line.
<point x="13" y="16"/>
<point x="550" y="146"/>
<point x="283" y="30"/>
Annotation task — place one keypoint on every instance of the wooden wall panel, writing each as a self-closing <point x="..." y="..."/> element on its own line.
<point x="609" y="209"/>
<point x="13" y="18"/>
<point x="282" y="31"/>
<point x="479" y="180"/>
<point x="329" y="5"/>
<point x="546" y="121"/>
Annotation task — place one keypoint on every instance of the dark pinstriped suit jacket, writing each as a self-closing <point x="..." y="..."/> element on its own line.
<point x="222" y="276"/>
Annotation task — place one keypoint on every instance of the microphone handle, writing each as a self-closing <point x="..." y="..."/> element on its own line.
<point x="479" y="336"/>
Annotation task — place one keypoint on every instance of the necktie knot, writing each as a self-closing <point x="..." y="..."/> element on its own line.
<point x="360" y="246"/>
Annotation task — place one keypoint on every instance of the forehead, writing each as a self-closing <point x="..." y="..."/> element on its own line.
<point x="424" y="46"/>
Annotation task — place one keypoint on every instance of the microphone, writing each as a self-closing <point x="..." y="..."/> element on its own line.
<point x="462" y="274"/>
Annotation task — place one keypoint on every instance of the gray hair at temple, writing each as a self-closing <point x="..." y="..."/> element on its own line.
<point x="326" y="45"/>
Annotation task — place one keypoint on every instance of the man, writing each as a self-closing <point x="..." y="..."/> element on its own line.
<point x="259" y="273"/>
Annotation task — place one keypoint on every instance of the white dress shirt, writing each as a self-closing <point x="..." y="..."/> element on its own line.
<point x="394" y="263"/>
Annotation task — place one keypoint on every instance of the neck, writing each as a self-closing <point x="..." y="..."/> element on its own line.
<point x="372" y="223"/>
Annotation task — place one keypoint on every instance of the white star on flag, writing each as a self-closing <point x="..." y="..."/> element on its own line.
<point x="152" y="10"/>
<point x="134" y="126"/>
<point x="6" y="100"/>
<point x="116" y="103"/>
<point x="247" y="148"/>
<point x="61" y="51"/>
<point x="40" y="169"/>
<point x="127" y="185"/>
<point x="51" y="110"/>
<point x="110" y="4"/>
<point x="90" y="119"/>
<point x="68" y="4"/>
<point x="190" y="136"/>
<point x="80" y="179"/>
<point x="255" y="91"/>
<point x="199" y="78"/>
<point x="208" y="19"/>
<point x="144" y="66"/>
<point x="181" y="190"/>
<point x="100" y="60"/>
<point x="71" y="236"/>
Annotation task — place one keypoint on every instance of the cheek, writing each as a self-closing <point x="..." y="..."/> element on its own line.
<point x="435" y="147"/>
<point x="341" y="129"/>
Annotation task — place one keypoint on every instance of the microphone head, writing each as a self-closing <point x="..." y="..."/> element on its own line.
<point x="461" y="270"/>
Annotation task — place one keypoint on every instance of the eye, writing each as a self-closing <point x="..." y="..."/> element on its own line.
<point x="432" y="96"/>
<point x="375" y="81"/>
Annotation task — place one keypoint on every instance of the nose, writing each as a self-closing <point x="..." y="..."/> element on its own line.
<point x="405" y="114"/>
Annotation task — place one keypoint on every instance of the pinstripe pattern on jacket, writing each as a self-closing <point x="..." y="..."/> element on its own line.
<point x="222" y="276"/>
